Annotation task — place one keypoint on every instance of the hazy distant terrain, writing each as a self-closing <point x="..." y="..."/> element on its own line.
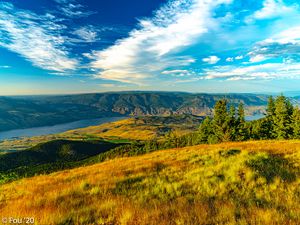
<point x="26" y="112"/>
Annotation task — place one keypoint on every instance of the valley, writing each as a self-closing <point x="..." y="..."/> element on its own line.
<point x="37" y="111"/>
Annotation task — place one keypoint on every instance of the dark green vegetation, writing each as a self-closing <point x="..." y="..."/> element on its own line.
<point x="49" y="157"/>
<point x="272" y="166"/>
<point x="282" y="121"/>
<point x="26" y="112"/>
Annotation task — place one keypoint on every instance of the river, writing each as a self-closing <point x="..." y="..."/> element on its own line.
<point x="59" y="128"/>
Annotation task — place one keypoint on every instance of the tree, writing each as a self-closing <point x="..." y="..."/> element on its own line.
<point x="267" y="126"/>
<point x="296" y="123"/>
<point x="271" y="107"/>
<point x="242" y="133"/>
<point x="205" y="130"/>
<point x="220" y="121"/>
<point x="231" y="123"/>
<point x="259" y="129"/>
<point x="282" y="118"/>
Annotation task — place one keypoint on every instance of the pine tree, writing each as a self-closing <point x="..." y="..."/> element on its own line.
<point x="220" y="120"/>
<point x="271" y="107"/>
<point x="205" y="130"/>
<point x="282" y="118"/>
<point x="242" y="133"/>
<point x="296" y="123"/>
<point x="231" y="124"/>
<point x="268" y="123"/>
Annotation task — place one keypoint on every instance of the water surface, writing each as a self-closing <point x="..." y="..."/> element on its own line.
<point x="254" y="117"/>
<point x="59" y="128"/>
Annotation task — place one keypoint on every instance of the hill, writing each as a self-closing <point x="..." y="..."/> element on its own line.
<point x="230" y="183"/>
<point x="26" y="112"/>
<point x="58" y="151"/>
<point x="142" y="128"/>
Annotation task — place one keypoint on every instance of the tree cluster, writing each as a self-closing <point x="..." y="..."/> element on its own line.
<point x="282" y="121"/>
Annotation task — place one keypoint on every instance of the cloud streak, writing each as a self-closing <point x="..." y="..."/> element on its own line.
<point x="266" y="71"/>
<point x="34" y="37"/>
<point x="152" y="47"/>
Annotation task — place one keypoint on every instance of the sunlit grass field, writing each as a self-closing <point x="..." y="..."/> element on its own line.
<point x="229" y="183"/>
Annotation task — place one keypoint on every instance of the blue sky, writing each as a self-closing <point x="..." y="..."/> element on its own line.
<point x="77" y="46"/>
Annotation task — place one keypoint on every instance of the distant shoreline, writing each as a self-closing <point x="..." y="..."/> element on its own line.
<point x="58" y="128"/>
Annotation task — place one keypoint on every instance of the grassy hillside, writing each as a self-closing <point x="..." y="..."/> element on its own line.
<point x="142" y="128"/>
<point x="230" y="183"/>
<point x="26" y="112"/>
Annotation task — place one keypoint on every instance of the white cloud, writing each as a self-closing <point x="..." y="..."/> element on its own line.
<point x="211" y="59"/>
<point x="257" y="58"/>
<point x="151" y="48"/>
<point x="86" y="34"/>
<point x="291" y="35"/>
<point x="229" y="59"/>
<point x="35" y="38"/>
<point x="263" y="71"/>
<point x="179" y="73"/>
<point x="240" y="57"/>
<point x="285" y="45"/>
<point x="174" y="71"/>
<point x="110" y="85"/>
<point x="71" y="9"/>
<point x="5" y="67"/>
<point x="271" y="9"/>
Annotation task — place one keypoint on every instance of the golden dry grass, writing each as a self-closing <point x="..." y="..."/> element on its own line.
<point x="205" y="184"/>
<point x="132" y="129"/>
<point x="124" y="129"/>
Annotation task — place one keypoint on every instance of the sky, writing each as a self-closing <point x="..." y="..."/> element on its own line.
<point x="214" y="46"/>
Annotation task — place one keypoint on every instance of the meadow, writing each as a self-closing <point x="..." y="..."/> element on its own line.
<point x="254" y="182"/>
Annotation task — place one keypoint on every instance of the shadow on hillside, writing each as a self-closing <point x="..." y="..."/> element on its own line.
<point x="272" y="166"/>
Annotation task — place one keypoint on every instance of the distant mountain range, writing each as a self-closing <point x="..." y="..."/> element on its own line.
<point x="33" y="111"/>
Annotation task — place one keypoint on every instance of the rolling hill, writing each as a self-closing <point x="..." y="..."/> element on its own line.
<point x="51" y="156"/>
<point x="58" y="151"/>
<point x="141" y="128"/>
<point x="32" y="111"/>
<point x="230" y="183"/>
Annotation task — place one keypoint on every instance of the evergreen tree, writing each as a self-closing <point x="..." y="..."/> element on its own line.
<point x="296" y="123"/>
<point x="231" y="123"/>
<point x="242" y="133"/>
<point x="267" y="126"/>
<point x="271" y="107"/>
<point x="205" y="130"/>
<point x="220" y="121"/>
<point x="259" y="129"/>
<point x="282" y="118"/>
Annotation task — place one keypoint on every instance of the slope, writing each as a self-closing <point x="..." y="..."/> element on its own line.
<point x="54" y="151"/>
<point x="229" y="183"/>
